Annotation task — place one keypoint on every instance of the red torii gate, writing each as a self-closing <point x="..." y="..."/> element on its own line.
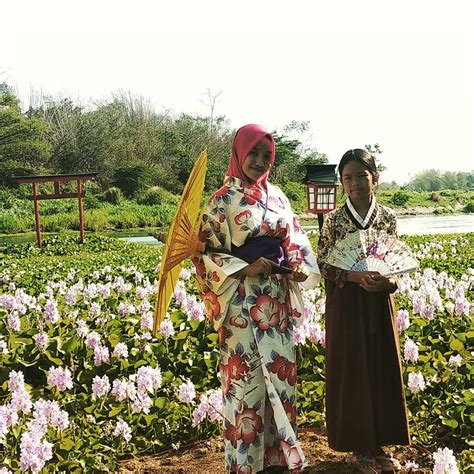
<point x="56" y="180"/>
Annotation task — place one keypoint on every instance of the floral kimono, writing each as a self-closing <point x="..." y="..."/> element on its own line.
<point x="254" y="317"/>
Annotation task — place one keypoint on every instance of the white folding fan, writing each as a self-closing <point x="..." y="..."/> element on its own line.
<point x="367" y="250"/>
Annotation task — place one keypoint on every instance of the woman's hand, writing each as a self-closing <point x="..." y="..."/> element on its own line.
<point x="261" y="266"/>
<point x="299" y="274"/>
<point x="378" y="283"/>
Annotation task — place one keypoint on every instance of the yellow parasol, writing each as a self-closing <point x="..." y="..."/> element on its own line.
<point x="182" y="239"/>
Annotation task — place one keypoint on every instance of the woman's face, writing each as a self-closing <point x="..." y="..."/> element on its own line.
<point x="258" y="162"/>
<point x="357" y="181"/>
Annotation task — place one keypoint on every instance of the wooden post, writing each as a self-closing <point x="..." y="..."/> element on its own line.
<point x="37" y="214"/>
<point x="320" y="221"/>
<point x="81" y="209"/>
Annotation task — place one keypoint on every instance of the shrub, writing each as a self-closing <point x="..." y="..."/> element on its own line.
<point x="469" y="207"/>
<point x="399" y="198"/>
<point x="132" y="178"/>
<point x="152" y="196"/>
<point x="113" y="195"/>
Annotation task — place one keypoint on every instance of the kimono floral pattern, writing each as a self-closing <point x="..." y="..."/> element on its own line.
<point x="254" y="318"/>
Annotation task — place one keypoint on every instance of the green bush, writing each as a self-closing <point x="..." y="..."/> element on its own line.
<point x="152" y="196"/>
<point x="113" y="195"/>
<point x="469" y="207"/>
<point x="399" y="198"/>
<point x="132" y="178"/>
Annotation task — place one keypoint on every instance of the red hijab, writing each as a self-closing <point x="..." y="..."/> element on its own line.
<point x="244" y="141"/>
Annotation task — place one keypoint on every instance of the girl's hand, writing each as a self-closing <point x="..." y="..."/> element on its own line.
<point x="299" y="274"/>
<point x="378" y="283"/>
<point x="261" y="266"/>
<point x="357" y="277"/>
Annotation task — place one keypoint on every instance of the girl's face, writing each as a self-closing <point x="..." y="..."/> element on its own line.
<point x="258" y="162"/>
<point x="358" y="182"/>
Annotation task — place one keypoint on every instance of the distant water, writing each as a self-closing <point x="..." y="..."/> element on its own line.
<point x="410" y="225"/>
<point x="429" y="224"/>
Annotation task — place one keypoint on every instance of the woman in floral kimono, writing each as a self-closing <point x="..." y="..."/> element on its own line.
<point x="251" y="236"/>
<point x="365" y="402"/>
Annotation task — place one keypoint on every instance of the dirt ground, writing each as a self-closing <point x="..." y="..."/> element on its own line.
<point x="207" y="457"/>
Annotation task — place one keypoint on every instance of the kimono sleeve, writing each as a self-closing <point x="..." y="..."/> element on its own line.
<point x="214" y="269"/>
<point x="326" y="241"/>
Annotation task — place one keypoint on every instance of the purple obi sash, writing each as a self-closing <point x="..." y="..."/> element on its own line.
<point x="262" y="246"/>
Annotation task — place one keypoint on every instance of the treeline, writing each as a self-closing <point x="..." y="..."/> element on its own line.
<point x="130" y="145"/>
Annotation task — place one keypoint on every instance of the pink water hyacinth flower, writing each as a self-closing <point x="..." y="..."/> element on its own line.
<point x="121" y="351"/>
<point x="101" y="355"/>
<point x="82" y="328"/>
<point x="51" y="313"/>
<point x="416" y="382"/>
<point x="93" y="340"/>
<point x="180" y="292"/>
<point x="410" y="352"/>
<point x="21" y="401"/>
<point x="47" y="413"/>
<point x="185" y="274"/>
<point x="146" y="320"/>
<point x="142" y="403"/>
<point x="34" y="451"/>
<point x="16" y="381"/>
<point x="149" y="379"/>
<point x="403" y="320"/>
<point x="125" y="308"/>
<point x="210" y="404"/>
<point x="8" y="417"/>
<point x="123" y="429"/>
<point x="123" y="389"/>
<point x="100" y="386"/>
<point x="444" y="462"/>
<point x="299" y="334"/>
<point x="94" y="310"/>
<point x="187" y="392"/>
<point x="166" y="327"/>
<point x="13" y="321"/>
<point x="455" y="361"/>
<point x="41" y="340"/>
<point x="59" y="378"/>
<point x="3" y="346"/>
<point x="4" y="470"/>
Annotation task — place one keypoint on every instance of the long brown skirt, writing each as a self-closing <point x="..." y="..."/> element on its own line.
<point x="365" y="401"/>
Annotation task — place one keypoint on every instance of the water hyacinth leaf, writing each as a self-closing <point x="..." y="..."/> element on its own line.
<point x="67" y="444"/>
<point x="114" y="411"/>
<point x="53" y="359"/>
<point x="450" y="422"/>
<point x="456" y="345"/>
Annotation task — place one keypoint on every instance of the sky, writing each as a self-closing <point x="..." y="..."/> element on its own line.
<point x="398" y="73"/>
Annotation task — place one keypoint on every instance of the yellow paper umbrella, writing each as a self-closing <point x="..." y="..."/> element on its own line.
<point x="182" y="239"/>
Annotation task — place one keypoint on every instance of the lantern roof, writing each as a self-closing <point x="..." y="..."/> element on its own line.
<point x="321" y="174"/>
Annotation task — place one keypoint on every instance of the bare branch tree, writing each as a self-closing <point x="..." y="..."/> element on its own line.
<point x="211" y="103"/>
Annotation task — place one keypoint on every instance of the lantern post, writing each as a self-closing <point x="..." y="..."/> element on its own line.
<point x="321" y="188"/>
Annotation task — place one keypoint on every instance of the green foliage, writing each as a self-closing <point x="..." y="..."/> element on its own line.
<point x="296" y="193"/>
<point x="23" y="144"/>
<point x="132" y="178"/>
<point x="434" y="180"/>
<point x="469" y="207"/>
<point x="439" y="416"/>
<point x="399" y="198"/>
<point x="113" y="195"/>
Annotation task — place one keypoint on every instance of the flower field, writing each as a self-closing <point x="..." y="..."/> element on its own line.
<point x="85" y="384"/>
